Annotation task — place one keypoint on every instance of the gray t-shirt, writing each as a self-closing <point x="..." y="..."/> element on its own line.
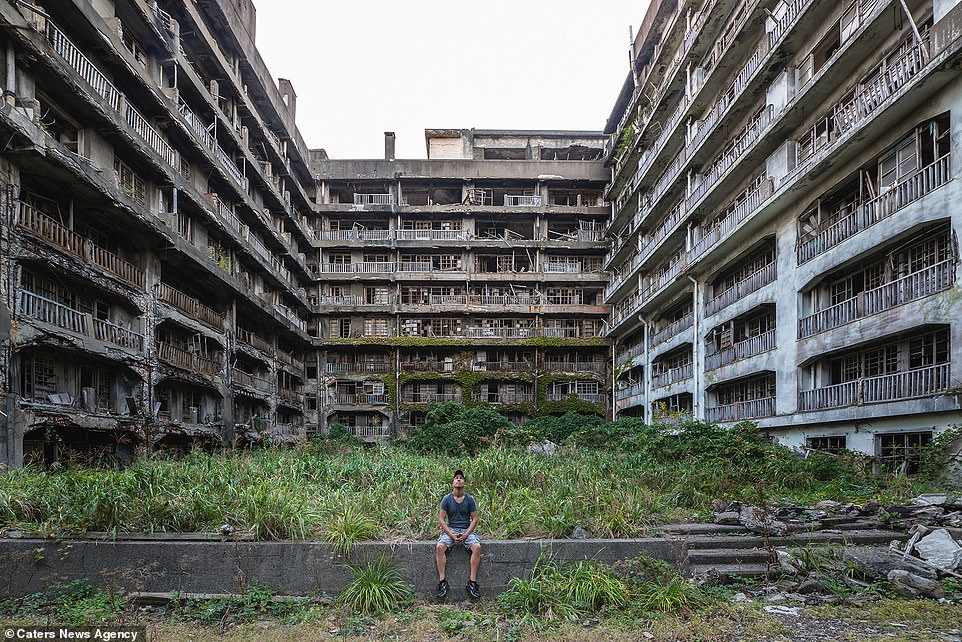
<point x="459" y="515"/>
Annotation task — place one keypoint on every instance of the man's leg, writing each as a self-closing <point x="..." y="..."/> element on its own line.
<point x="475" y="561"/>
<point x="441" y="556"/>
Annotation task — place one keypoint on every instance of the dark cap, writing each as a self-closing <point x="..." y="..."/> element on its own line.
<point x="458" y="473"/>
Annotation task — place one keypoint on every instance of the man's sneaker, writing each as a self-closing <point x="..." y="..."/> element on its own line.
<point x="473" y="590"/>
<point x="442" y="589"/>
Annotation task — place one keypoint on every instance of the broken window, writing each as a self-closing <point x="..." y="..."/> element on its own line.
<point x="902" y="451"/>
<point x="834" y="444"/>
<point x="39" y="376"/>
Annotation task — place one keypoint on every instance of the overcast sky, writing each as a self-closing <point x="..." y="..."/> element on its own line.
<point x="363" y="67"/>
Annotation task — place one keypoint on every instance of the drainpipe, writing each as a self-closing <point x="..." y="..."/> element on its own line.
<point x="696" y="369"/>
<point x="10" y="84"/>
<point x="646" y="372"/>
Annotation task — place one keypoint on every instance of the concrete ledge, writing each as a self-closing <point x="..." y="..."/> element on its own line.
<point x="290" y="568"/>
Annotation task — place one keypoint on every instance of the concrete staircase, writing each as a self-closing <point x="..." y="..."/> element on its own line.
<point x="736" y="551"/>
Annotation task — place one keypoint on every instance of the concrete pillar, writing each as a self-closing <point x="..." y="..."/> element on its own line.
<point x="389" y="145"/>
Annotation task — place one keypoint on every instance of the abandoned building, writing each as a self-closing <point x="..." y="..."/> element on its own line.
<point x="472" y="276"/>
<point x="784" y="245"/>
<point x="762" y="231"/>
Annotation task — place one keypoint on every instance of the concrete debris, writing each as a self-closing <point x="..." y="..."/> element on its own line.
<point x="788" y="563"/>
<point x="760" y="520"/>
<point x="873" y="563"/>
<point x="580" y="532"/>
<point x="910" y="585"/>
<point x="728" y="518"/>
<point x="777" y="609"/>
<point x="828" y="506"/>
<point x="548" y="448"/>
<point x="939" y="549"/>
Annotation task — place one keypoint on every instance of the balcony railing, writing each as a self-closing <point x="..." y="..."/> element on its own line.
<point x="431" y="397"/>
<point x="511" y="200"/>
<point x="501" y="333"/>
<point x="921" y="382"/>
<point x="249" y="338"/>
<point x="574" y="366"/>
<point x="82" y="65"/>
<point x="374" y="199"/>
<point x="290" y="396"/>
<point x="590" y="397"/>
<point x="741" y="350"/>
<point x="742" y="288"/>
<point x="667" y="377"/>
<point x="376" y="433"/>
<point x="911" y="189"/>
<point x="190" y="306"/>
<point x="432" y="235"/>
<point x="118" y="335"/>
<point x="505" y="397"/>
<point x="629" y="354"/>
<point x="47" y="228"/>
<point x="153" y="139"/>
<point x="673" y="329"/>
<point x="738" y="411"/>
<point x="366" y="267"/>
<point x="175" y="356"/>
<point x="355" y="234"/>
<point x="254" y="382"/>
<point x="358" y="367"/>
<point x="503" y="366"/>
<point x="911" y="287"/>
<point x="43" y="309"/>
<point x="231" y="167"/>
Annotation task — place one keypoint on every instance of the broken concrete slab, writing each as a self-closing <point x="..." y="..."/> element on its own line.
<point x="910" y="585"/>
<point x="874" y="563"/>
<point x="940" y="550"/>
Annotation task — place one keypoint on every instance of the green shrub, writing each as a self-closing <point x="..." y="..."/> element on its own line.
<point x="455" y="429"/>
<point x="556" y="429"/>
<point x="377" y="587"/>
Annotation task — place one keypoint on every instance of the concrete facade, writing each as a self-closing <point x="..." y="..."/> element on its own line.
<point x="774" y="189"/>
<point x="785" y="221"/>
<point x="153" y="226"/>
<point x="472" y="277"/>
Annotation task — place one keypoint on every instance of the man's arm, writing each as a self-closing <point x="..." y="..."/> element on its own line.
<point x="474" y="522"/>
<point x="443" y="521"/>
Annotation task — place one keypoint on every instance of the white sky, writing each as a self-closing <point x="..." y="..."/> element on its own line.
<point x="363" y="67"/>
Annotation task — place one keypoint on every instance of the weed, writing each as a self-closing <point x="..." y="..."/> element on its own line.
<point x="377" y="587"/>
<point x="346" y="528"/>
<point x="677" y="594"/>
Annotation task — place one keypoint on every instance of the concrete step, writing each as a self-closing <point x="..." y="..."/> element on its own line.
<point x="728" y="555"/>
<point x="855" y="537"/>
<point x="740" y="570"/>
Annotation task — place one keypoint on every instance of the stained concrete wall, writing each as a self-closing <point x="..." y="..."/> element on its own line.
<point x="290" y="568"/>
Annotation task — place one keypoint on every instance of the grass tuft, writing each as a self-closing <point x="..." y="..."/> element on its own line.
<point x="377" y="587"/>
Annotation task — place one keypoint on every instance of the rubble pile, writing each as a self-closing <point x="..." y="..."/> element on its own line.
<point x="933" y="510"/>
<point x="928" y="564"/>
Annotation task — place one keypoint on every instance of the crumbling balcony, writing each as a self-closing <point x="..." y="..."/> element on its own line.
<point x="750" y="398"/>
<point x="190" y="306"/>
<point x="49" y="229"/>
<point x="248" y="338"/>
<point x="50" y="312"/>
<point x="898" y="386"/>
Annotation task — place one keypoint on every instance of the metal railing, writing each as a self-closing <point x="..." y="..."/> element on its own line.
<point x="920" y="284"/>
<point x="82" y="65"/>
<point x="153" y="139"/>
<point x="358" y="367"/>
<point x="365" y="267"/>
<point x="590" y="397"/>
<point x="750" y="284"/>
<point x="512" y="200"/>
<point x="374" y="199"/>
<point x="670" y="376"/>
<point x="867" y="214"/>
<point x="752" y="409"/>
<point x="575" y="366"/>
<point x="431" y="235"/>
<point x="674" y="328"/>
<point x="921" y="382"/>
<point x="431" y="397"/>
<point x="742" y="350"/>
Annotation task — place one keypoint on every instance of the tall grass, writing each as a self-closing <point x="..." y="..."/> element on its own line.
<point x="350" y="493"/>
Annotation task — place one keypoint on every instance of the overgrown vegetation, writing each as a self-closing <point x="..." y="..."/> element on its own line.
<point x="377" y="587"/>
<point x="614" y="479"/>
